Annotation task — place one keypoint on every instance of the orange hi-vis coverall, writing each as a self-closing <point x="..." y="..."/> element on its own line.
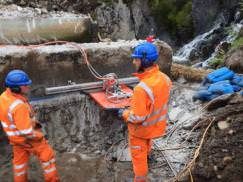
<point x="15" y="116"/>
<point x="147" y="116"/>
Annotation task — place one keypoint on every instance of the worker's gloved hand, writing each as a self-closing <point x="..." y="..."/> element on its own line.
<point x="38" y="136"/>
<point x="120" y="112"/>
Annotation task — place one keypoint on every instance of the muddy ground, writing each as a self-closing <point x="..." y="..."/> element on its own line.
<point x="108" y="160"/>
<point x="221" y="157"/>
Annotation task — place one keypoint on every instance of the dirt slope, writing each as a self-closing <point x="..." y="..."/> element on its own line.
<point x="221" y="157"/>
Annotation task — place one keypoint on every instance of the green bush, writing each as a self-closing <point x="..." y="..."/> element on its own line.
<point x="237" y="43"/>
<point x="173" y="14"/>
<point x="218" y="60"/>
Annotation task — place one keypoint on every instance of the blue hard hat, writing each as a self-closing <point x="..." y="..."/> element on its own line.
<point x="17" y="78"/>
<point x="147" y="52"/>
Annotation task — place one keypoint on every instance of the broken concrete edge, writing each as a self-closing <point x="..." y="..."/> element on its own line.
<point x="31" y="26"/>
<point x="15" y="11"/>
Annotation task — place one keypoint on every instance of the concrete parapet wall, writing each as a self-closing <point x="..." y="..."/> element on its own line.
<point x="57" y="64"/>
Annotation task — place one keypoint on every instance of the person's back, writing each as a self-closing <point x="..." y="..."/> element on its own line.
<point x="154" y="108"/>
<point x="11" y="105"/>
<point x="16" y="119"/>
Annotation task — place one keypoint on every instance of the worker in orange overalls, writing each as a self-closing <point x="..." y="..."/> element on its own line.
<point x="147" y="116"/>
<point x="20" y="126"/>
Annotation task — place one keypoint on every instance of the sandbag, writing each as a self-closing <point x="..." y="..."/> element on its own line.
<point x="222" y="87"/>
<point x="236" y="88"/>
<point x="237" y="80"/>
<point x="205" y="95"/>
<point x="220" y="75"/>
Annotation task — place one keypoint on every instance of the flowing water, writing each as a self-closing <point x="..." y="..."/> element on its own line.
<point x="183" y="54"/>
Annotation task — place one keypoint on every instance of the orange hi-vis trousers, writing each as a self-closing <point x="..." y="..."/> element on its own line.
<point x="44" y="153"/>
<point x="140" y="149"/>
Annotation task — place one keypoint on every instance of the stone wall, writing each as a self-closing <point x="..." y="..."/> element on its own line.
<point x="75" y="123"/>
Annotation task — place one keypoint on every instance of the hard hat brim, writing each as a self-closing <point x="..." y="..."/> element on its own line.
<point x="136" y="56"/>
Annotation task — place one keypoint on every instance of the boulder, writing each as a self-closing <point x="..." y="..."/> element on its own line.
<point x="234" y="60"/>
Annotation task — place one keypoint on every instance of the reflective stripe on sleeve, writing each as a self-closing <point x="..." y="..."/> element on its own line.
<point x="20" y="173"/>
<point x="50" y="170"/>
<point x="133" y="117"/>
<point x="11" y="108"/>
<point x="48" y="162"/>
<point x="20" y="132"/>
<point x="19" y="166"/>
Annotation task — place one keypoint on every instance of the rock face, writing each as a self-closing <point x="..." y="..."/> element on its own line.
<point x="115" y="22"/>
<point x="205" y="13"/>
<point x="125" y="21"/>
<point x="234" y="60"/>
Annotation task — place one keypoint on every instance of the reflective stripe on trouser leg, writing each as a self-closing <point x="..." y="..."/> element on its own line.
<point x="139" y="151"/>
<point x="20" y="163"/>
<point x="47" y="158"/>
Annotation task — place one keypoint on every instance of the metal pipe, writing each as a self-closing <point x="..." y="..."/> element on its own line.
<point x="86" y="86"/>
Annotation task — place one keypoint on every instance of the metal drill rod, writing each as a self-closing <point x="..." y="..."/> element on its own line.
<point x="86" y="86"/>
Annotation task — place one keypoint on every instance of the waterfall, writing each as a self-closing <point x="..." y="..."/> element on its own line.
<point x="183" y="54"/>
<point x="229" y="39"/>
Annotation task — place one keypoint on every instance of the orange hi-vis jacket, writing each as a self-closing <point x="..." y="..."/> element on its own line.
<point x="147" y="115"/>
<point x="15" y="117"/>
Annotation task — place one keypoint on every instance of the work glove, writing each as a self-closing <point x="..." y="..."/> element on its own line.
<point x="38" y="136"/>
<point x="120" y="112"/>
